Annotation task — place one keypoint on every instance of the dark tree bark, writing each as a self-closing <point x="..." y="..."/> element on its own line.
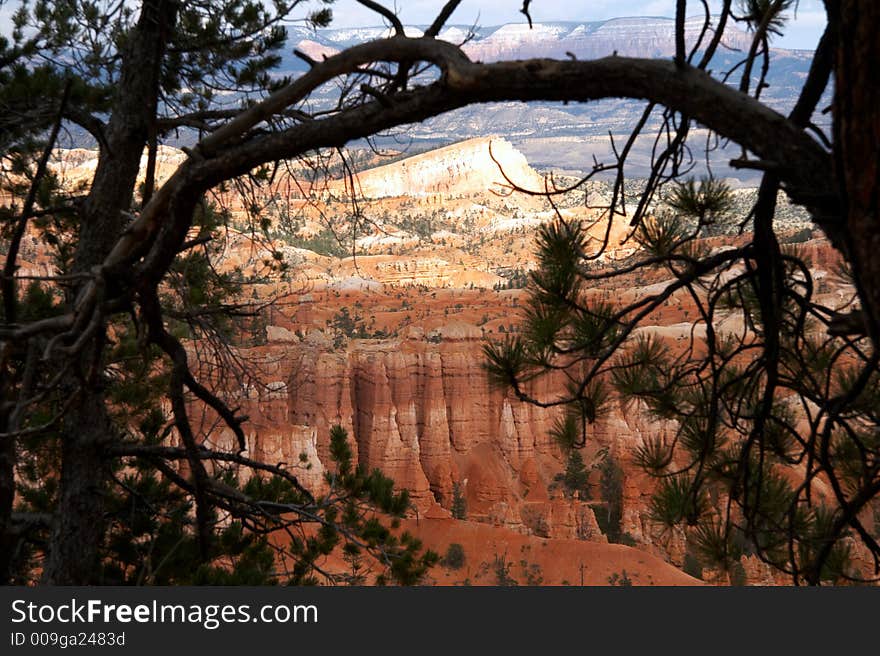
<point x="857" y="142"/>
<point x="87" y="430"/>
<point x="7" y="496"/>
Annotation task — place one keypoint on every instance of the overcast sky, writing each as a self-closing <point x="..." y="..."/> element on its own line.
<point x="803" y="32"/>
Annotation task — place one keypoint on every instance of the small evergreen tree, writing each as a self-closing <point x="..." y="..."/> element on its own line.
<point x="455" y="557"/>
<point x="459" y="503"/>
<point x="611" y="485"/>
<point x="575" y="478"/>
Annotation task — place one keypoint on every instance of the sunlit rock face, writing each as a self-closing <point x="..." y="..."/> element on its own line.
<point x="469" y="167"/>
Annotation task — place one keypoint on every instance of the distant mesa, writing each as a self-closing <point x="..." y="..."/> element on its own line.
<point x="631" y="37"/>
<point x="317" y="51"/>
<point x="461" y="169"/>
<point x="628" y="37"/>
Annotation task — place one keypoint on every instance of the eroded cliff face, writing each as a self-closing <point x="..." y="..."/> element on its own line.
<point x="422" y="410"/>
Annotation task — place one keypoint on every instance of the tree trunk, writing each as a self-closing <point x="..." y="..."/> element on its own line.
<point x="74" y="549"/>
<point x="7" y="497"/>
<point x="79" y="523"/>
<point x="857" y="142"/>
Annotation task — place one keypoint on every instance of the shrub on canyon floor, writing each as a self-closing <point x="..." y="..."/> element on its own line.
<point x="454" y="557"/>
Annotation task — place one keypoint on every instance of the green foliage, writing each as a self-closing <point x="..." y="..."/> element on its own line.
<point x="620" y="579"/>
<point x="363" y="493"/>
<point x="642" y="372"/>
<point x="819" y="532"/>
<point x="326" y="243"/>
<point x="706" y="201"/>
<point x="799" y="237"/>
<point x="454" y="558"/>
<point x="771" y="12"/>
<point x="653" y="455"/>
<point x="545" y="324"/>
<point x="501" y="571"/>
<point x="575" y="478"/>
<point x="611" y="492"/>
<point x="663" y="236"/>
<point x="725" y="443"/>
<point x="738" y="576"/>
<point x="559" y="248"/>
<point x="151" y="538"/>
<point x="692" y="566"/>
<point x="768" y="400"/>
<point x="566" y="431"/>
<point x="506" y="362"/>
<point x="357" y="574"/>
<point x="459" y="503"/>
<point x="151" y="541"/>
<point x="532" y="573"/>
<point x="340" y="450"/>
<point x="673" y="501"/>
<point x="171" y="509"/>
<point x="593" y="329"/>
<point x="713" y="543"/>
<point x="517" y="279"/>
<point x="351" y="326"/>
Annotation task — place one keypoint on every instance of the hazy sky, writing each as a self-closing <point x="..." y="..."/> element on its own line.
<point x="803" y="32"/>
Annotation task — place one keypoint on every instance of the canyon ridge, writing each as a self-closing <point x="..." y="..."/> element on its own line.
<point x="377" y="323"/>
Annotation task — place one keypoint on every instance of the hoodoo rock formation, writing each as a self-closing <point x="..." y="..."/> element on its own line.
<point x="422" y="410"/>
<point x="388" y="344"/>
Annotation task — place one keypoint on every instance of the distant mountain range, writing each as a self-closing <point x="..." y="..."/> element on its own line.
<point x="553" y="135"/>
<point x="631" y="37"/>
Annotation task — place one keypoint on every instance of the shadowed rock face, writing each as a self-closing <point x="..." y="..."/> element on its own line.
<point x="421" y="412"/>
<point x="420" y="408"/>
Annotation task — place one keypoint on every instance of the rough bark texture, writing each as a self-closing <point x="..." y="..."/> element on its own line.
<point x="7" y="497"/>
<point x="87" y="429"/>
<point x="105" y="211"/>
<point x="857" y="127"/>
<point x="78" y="526"/>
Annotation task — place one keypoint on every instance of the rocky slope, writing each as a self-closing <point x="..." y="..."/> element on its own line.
<point x="533" y="560"/>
